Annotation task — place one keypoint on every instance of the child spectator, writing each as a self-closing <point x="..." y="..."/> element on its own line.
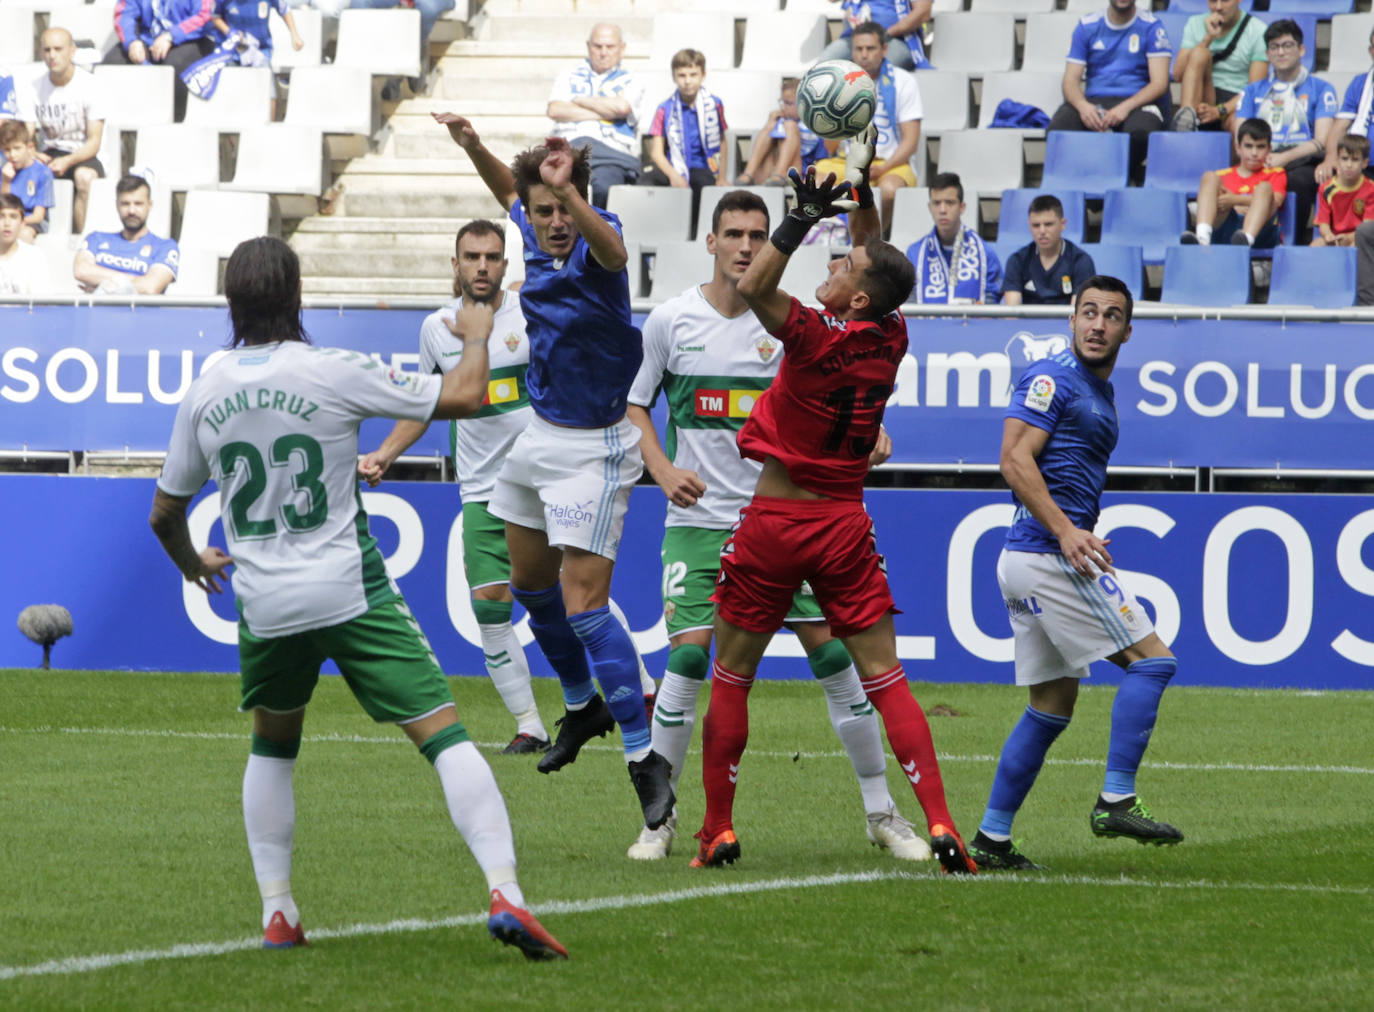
<point x="25" y="177"/>
<point x="1349" y="198"/>
<point x="783" y="143"/>
<point x="1049" y="269"/>
<point x="251" y="18"/>
<point x="23" y="268"/>
<point x="686" y="138"/>
<point x="1246" y="197"/>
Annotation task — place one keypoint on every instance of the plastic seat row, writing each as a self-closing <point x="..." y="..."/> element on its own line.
<point x="654" y="214"/>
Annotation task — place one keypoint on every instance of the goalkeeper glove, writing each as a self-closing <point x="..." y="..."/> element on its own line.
<point x="815" y="200"/>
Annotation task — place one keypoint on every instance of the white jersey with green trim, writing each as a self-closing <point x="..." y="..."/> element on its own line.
<point x="276" y="426"/>
<point x="712" y="370"/>
<point x="479" y="444"/>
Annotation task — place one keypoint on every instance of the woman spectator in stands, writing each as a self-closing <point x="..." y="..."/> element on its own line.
<point x="174" y="32"/>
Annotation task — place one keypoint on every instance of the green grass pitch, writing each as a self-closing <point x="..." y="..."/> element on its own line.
<point x="127" y="882"/>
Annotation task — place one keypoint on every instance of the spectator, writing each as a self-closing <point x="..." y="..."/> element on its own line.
<point x="26" y="177"/>
<point x="251" y="18"/>
<point x="429" y="13"/>
<point x="62" y="109"/>
<point x="686" y="139"/>
<point x="1049" y="269"/>
<point x="1300" y="110"/>
<point x="594" y="105"/>
<point x="1245" y="197"/>
<point x="903" y="20"/>
<point x="1356" y="113"/>
<point x="953" y="265"/>
<point x="1116" y="77"/>
<point x="9" y="98"/>
<point x="1222" y="52"/>
<point x="1348" y="200"/>
<point x="23" y="269"/>
<point x="898" y="119"/>
<point x="783" y="143"/>
<point x="132" y="261"/>
<point x="1364" y="264"/>
<point x="174" y="32"/>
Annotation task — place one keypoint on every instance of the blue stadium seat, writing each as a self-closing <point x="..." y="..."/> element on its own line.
<point x="1174" y="22"/>
<point x="1176" y="161"/>
<point x="1145" y="217"/>
<point x="1206" y="275"/>
<point x="1119" y="261"/>
<point x="1288" y="229"/>
<point x="1085" y="160"/>
<point x="1317" y="8"/>
<point x="1313" y="276"/>
<point x="1011" y="221"/>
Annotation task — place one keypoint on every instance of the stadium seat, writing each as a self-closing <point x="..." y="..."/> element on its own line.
<point x="183" y="156"/>
<point x="1042" y="89"/>
<point x="1019" y="8"/>
<point x="773" y="197"/>
<point x="1206" y="276"/>
<point x="92" y="27"/>
<point x="1081" y="7"/>
<point x="634" y="269"/>
<point x="975" y="43"/>
<point x="1012" y="218"/>
<point x="944" y="101"/>
<point x="1349" y="46"/>
<point x="1082" y="160"/>
<point x="60" y="214"/>
<point x="1146" y="217"/>
<point x="310" y="24"/>
<point x="1176" y="161"/>
<point x="16" y="35"/>
<point x="280" y="158"/>
<point x="1047" y="42"/>
<point x="243" y="98"/>
<point x="337" y="100"/>
<point x="101" y="215"/>
<point x="748" y="96"/>
<point x="143" y="95"/>
<point x="1119" y="261"/>
<point x="783" y="41"/>
<point x="60" y="257"/>
<point x="1313" y="276"/>
<point x="710" y="32"/>
<point x="384" y="42"/>
<point x="1317" y="8"/>
<point x="806" y="269"/>
<point x="1004" y="248"/>
<point x="217" y="222"/>
<point x="652" y="214"/>
<point x="1174" y="23"/>
<point x="988" y="161"/>
<point x="677" y="267"/>
<point x="197" y="273"/>
<point x="911" y="215"/>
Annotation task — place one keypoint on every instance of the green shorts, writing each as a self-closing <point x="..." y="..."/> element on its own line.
<point x="691" y="564"/>
<point x="382" y="654"/>
<point x="486" y="560"/>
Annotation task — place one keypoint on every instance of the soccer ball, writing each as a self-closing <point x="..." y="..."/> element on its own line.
<point x="836" y="99"/>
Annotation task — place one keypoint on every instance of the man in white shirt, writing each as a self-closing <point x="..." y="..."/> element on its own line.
<point x="63" y="109"/>
<point x="23" y="270"/>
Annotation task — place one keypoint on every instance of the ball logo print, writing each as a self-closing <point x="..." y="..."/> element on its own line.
<point x="836" y="99"/>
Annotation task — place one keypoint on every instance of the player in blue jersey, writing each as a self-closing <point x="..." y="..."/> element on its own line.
<point x="565" y="486"/>
<point x="1068" y="607"/>
<point x="132" y="261"/>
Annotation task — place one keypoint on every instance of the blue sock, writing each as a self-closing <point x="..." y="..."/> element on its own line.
<point x="616" y="666"/>
<point x="1022" y="757"/>
<point x="555" y="636"/>
<point x="1133" y="720"/>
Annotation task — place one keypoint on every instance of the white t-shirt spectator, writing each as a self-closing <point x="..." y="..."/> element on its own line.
<point x="615" y="83"/>
<point x="24" y="271"/>
<point x="62" y="112"/>
<point x="907" y="99"/>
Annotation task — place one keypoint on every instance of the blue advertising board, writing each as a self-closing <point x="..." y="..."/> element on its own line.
<point x="1249" y="590"/>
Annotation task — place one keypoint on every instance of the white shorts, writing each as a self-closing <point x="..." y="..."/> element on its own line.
<point x="1064" y="621"/>
<point x="572" y="484"/>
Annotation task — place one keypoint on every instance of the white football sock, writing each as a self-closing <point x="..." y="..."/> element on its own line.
<point x="853" y="718"/>
<point x="1204" y="234"/>
<point x="510" y="673"/>
<point x="675" y="715"/>
<point x="646" y="681"/>
<point x="478" y="810"/>
<point x="269" y="816"/>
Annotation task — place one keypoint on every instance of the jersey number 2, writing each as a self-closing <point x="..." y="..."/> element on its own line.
<point x="294" y="447"/>
<point x="841" y="402"/>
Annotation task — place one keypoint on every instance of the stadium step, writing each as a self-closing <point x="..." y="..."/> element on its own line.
<point x="462" y="88"/>
<point x="397" y="261"/>
<point x="435" y="290"/>
<point x="637" y="31"/>
<point x="397" y="235"/>
<point x="415" y="202"/>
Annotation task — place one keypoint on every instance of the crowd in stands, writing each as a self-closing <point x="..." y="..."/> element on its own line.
<point x="1237" y="73"/>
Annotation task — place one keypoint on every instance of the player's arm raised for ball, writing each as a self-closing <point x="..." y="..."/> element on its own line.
<point x="602" y="238"/>
<point x="494" y="172"/>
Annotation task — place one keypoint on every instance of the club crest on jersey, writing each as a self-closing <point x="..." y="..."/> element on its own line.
<point x="669" y="610"/>
<point x="1134" y="44"/>
<point x="766" y="346"/>
<point x="512" y="341"/>
<point x="1040" y="394"/>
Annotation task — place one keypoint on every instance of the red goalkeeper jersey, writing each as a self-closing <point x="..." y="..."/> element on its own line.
<point x="821" y="415"/>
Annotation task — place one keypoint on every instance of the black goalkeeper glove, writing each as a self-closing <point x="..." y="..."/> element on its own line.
<point x="815" y="200"/>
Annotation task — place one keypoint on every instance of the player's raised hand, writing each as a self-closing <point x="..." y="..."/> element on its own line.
<point x="858" y="159"/>
<point x="556" y="168"/>
<point x="213" y="563"/>
<point x="1086" y="552"/>
<point x="682" y="487"/>
<point x="819" y="198"/>
<point x="459" y="128"/>
<point x="473" y="322"/>
<point x="372" y="467"/>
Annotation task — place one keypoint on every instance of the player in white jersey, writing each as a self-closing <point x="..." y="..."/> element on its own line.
<point x="276" y="425"/>
<point x="711" y="358"/>
<point x="479" y="446"/>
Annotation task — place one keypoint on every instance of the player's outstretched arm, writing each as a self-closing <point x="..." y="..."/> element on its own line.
<point x="494" y="172"/>
<point x="602" y="239"/>
<point x="465" y="388"/>
<point x="682" y="487"/>
<point x="168" y="521"/>
<point x="401" y="438"/>
<point x="1021" y="445"/>
<point x="864" y="223"/>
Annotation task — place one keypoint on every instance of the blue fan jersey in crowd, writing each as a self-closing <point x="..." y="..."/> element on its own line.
<point x="584" y="351"/>
<point x="1117" y="59"/>
<point x="886" y="12"/>
<point x="250" y="17"/>
<point x="1078" y="411"/>
<point x="1350" y="109"/>
<point x="33" y="185"/>
<point x="133" y="256"/>
<point x="9" y="102"/>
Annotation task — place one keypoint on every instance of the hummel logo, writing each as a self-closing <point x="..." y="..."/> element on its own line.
<point x="910" y="770"/>
<point x="734" y="773"/>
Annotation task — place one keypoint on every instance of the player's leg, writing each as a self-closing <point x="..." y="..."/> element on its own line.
<point x="646" y="680"/>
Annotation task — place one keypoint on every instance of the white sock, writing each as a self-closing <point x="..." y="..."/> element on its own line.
<point x="853" y="718"/>
<point x="510" y="673"/>
<point x="269" y="816"/>
<point x="478" y="810"/>
<point x="1112" y="798"/>
<point x="675" y="715"/>
<point x="646" y="681"/>
<point x="1249" y="239"/>
<point x="1204" y="234"/>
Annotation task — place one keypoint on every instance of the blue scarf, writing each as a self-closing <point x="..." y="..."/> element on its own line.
<point x="887" y="103"/>
<point x="970" y="260"/>
<point x="202" y="77"/>
<point x="708" y="126"/>
<point x="612" y="85"/>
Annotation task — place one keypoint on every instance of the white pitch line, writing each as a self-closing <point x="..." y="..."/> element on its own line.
<point x="85" y="964"/>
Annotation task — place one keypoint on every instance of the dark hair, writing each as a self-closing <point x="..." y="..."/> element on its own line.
<point x="1282" y="27"/>
<point x="1256" y="130"/>
<point x="128" y="184"/>
<point x="478" y="227"/>
<point x="1046" y="202"/>
<point x="1354" y="144"/>
<point x="1105" y="283"/>
<point x="689" y="58"/>
<point x="12" y="130"/>
<point x="9" y="202"/>
<point x="525" y="167"/>
<point x="738" y="200"/>
<point x="947" y="181"/>
<point x="888" y="278"/>
<point x="870" y="28"/>
<point x="263" y="285"/>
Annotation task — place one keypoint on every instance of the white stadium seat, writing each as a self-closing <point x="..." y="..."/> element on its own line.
<point x="197" y="272"/>
<point x="976" y="43"/>
<point x="1349" y="44"/>
<point x="944" y="100"/>
<point x="783" y="41"/>
<point x="652" y="214"/>
<point x="710" y="195"/>
<point x="243" y="98"/>
<point x="383" y="42"/>
<point x="337" y="100"/>
<point x="1047" y="41"/>
<point x="217" y="221"/>
<point x="182" y="155"/>
<point x="911" y="216"/>
<point x="16" y="35"/>
<point x="60" y="214"/>
<point x="310" y="23"/>
<point x="1018" y="8"/>
<point x="142" y="95"/>
<point x="987" y="161"/>
<point x="280" y="158"/>
<point x="91" y="27"/>
<point x="1042" y="89"/>
<point x="678" y="266"/>
<point x="710" y="32"/>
